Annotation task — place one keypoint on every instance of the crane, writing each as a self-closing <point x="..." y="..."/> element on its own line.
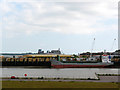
<point x="92" y="47"/>
<point x="113" y="44"/>
<point x="107" y="58"/>
<point x="91" y="58"/>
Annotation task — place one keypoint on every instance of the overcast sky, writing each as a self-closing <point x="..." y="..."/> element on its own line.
<point x="71" y="25"/>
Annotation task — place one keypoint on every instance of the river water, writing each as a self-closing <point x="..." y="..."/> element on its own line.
<point x="57" y="73"/>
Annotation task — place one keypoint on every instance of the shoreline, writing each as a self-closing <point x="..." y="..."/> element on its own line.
<point x="54" y="68"/>
<point x="100" y="78"/>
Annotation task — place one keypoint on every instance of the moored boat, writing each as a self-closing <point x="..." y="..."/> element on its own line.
<point x="88" y="64"/>
<point x="59" y="64"/>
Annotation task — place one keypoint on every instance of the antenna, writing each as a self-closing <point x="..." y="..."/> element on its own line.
<point x="92" y="47"/>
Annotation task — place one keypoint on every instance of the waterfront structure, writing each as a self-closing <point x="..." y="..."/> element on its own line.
<point x="48" y="57"/>
<point x="13" y="55"/>
<point x="40" y="51"/>
<point x="49" y="52"/>
<point x="32" y="60"/>
<point x="35" y="59"/>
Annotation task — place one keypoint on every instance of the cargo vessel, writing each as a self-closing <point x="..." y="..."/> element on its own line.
<point x="58" y="64"/>
<point x="88" y="64"/>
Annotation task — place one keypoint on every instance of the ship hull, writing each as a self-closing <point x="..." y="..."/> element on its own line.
<point x="79" y="66"/>
<point x="59" y="64"/>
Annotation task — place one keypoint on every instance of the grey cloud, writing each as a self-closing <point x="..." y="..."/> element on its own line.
<point x="61" y="17"/>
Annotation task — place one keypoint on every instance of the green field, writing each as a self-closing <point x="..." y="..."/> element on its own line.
<point x="54" y="84"/>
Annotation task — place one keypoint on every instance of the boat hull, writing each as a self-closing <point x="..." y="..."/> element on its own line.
<point x="59" y="64"/>
<point x="79" y="66"/>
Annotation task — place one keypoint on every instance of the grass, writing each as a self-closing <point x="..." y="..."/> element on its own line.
<point x="54" y="84"/>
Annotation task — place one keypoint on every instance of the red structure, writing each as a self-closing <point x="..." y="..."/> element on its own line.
<point x="25" y="75"/>
<point x="12" y="77"/>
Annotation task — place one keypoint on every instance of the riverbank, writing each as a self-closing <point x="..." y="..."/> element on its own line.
<point x="101" y="79"/>
<point x="56" y="84"/>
